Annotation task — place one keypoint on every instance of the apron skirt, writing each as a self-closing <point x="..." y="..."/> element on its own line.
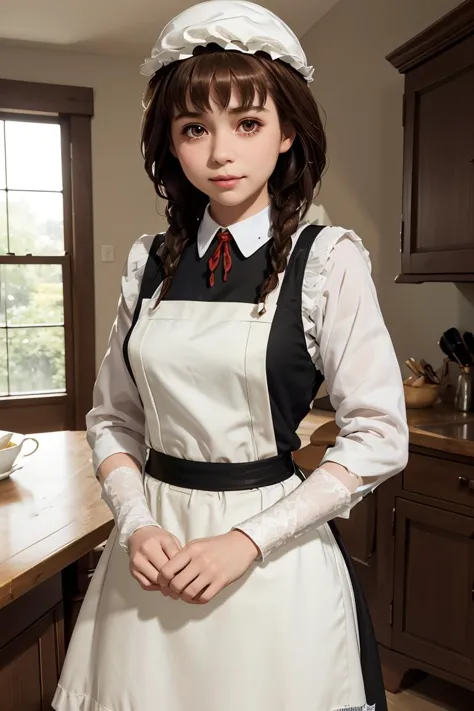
<point x="293" y="634"/>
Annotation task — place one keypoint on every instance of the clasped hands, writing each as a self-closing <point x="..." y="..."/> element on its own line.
<point x="194" y="573"/>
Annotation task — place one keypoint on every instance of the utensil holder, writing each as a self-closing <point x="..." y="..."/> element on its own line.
<point x="464" y="397"/>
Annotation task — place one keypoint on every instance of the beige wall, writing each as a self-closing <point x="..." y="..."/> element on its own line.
<point x="361" y="94"/>
<point x="124" y="202"/>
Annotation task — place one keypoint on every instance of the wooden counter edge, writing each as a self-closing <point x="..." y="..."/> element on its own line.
<point x="25" y="581"/>
<point x="441" y="443"/>
<point x="326" y="432"/>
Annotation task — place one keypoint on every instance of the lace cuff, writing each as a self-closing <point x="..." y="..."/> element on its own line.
<point x="320" y="498"/>
<point x="124" y="494"/>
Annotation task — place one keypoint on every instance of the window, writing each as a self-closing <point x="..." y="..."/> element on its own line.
<point x="32" y="342"/>
<point x="46" y="268"/>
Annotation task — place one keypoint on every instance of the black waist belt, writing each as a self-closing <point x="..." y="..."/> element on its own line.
<point x="220" y="476"/>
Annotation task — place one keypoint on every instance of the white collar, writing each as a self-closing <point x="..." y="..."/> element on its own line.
<point x="250" y="234"/>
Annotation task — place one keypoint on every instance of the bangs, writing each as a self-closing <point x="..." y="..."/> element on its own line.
<point x="217" y="75"/>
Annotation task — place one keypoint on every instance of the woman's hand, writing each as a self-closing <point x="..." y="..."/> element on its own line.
<point x="207" y="565"/>
<point x="150" y="548"/>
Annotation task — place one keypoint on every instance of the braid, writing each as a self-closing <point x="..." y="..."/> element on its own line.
<point x="176" y="239"/>
<point x="182" y="230"/>
<point x="284" y="219"/>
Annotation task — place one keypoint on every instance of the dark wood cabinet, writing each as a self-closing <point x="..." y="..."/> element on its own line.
<point x="437" y="229"/>
<point x="34" y="633"/>
<point x="412" y="543"/>
<point x="31" y="649"/>
<point x="29" y="667"/>
<point x="433" y="608"/>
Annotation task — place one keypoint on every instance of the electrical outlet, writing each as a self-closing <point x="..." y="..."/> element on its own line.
<point x="108" y="253"/>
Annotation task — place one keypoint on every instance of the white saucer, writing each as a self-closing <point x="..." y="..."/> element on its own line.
<point x="5" y="475"/>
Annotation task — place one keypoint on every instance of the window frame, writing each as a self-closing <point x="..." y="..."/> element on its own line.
<point x="73" y="108"/>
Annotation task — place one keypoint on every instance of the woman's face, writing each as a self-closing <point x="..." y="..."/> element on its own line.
<point x="231" y="143"/>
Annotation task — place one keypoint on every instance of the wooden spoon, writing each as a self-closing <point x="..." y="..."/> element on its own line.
<point x="412" y="366"/>
<point x="430" y="372"/>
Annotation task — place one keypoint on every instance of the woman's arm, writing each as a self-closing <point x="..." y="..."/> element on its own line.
<point x="364" y="383"/>
<point x="361" y="371"/>
<point x="114" y="462"/>
<point x="116" y="423"/>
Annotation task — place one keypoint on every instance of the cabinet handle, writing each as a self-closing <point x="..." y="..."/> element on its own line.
<point x="466" y="483"/>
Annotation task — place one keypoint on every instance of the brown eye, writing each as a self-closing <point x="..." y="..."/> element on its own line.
<point x="194" y="131"/>
<point x="249" y="125"/>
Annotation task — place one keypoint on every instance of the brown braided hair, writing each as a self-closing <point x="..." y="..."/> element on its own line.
<point x="297" y="173"/>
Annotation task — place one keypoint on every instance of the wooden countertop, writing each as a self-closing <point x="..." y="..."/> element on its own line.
<point x="50" y="513"/>
<point x="325" y="429"/>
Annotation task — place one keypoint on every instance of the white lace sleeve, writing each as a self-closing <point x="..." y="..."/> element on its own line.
<point x="116" y="422"/>
<point x="316" y="501"/>
<point x="349" y="343"/>
<point x="124" y="494"/>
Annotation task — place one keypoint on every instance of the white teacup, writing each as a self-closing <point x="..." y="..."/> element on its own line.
<point x="10" y="455"/>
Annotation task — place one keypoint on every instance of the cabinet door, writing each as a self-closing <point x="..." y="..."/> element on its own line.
<point x="433" y="593"/>
<point x="30" y="665"/>
<point x="438" y="201"/>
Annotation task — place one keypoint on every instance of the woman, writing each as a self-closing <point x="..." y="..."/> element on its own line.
<point x="222" y="586"/>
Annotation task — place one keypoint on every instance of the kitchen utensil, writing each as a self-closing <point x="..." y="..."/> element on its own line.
<point x="469" y="341"/>
<point x="411" y="366"/>
<point x="430" y="372"/>
<point x="422" y="368"/>
<point x="448" y="350"/>
<point x="416" y="365"/>
<point x="458" y="346"/>
<point x="464" y="397"/>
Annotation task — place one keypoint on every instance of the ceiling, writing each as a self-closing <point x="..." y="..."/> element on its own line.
<point x="119" y="28"/>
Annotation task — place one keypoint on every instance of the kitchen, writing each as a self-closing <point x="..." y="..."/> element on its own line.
<point x="377" y="145"/>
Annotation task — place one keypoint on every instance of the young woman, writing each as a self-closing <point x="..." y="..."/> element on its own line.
<point x="223" y="587"/>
